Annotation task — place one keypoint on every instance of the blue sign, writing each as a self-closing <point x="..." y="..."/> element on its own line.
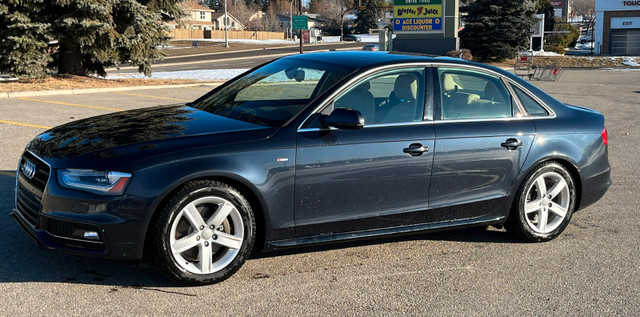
<point x="417" y="24"/>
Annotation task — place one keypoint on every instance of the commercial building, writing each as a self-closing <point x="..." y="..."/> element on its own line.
<point x="617" y="30"/>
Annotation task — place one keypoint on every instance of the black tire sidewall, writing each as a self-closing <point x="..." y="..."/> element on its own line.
<point x="520" y="225"/>
<point x="187" y="194"/>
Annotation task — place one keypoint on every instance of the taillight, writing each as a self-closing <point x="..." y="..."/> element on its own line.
<point x="605" y="136"/>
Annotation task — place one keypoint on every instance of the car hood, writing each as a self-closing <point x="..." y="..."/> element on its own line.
<point x="144" y="128"/>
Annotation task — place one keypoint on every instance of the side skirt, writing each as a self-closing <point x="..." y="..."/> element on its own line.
<point x="366" y="234"/>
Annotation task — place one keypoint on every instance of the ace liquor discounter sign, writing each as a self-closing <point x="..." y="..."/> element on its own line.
<point x="417" y="16"/>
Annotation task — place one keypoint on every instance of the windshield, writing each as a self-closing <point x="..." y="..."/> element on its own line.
<point x="274" y="93"/>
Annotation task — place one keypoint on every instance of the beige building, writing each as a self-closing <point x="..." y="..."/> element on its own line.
<point x="232" y="23"/>
<point x="197" y="17"/>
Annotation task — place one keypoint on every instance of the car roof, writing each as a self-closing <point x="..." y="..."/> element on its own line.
<point x="360" y="59"/>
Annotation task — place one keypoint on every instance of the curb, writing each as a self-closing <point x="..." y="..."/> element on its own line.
<point x="6" y="95"/>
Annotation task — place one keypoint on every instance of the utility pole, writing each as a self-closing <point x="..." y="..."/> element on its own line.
<point x="226" y="29"/>
<point x="291" y="20"/>
<point x="300" y="13"/>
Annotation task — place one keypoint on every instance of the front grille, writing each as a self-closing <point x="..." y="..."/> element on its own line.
<point x="41" y="176"/>
<point x="28" y="204"/>
<point x="29" y="190"/>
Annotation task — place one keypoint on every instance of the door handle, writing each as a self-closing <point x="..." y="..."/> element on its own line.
<point x="511" y="144"/>
<point x="415" y="149"/>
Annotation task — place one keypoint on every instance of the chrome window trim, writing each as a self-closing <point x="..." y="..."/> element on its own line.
<point x="534" y="97"/>
<point x="436" y="64"/>
<point x="440" y="121"/>
<point x="504" y="78"/>
<point x="507" y="81"/>
<point x="374" y="125"/>
<point x="514" y="97"/>
<point x="331" y="98"/>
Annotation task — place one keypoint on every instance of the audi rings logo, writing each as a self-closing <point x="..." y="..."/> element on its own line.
<point x="28" y="168"/>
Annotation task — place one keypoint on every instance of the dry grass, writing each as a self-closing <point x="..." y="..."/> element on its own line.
<point x="79" y="82"/>
<point x="571" y="62"/>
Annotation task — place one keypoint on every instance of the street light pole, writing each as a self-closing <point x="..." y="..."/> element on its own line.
<point x="226" y="29"/>
<point x="291" y="20"/>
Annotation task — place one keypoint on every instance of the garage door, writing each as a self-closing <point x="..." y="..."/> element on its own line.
<point x="625" y="42"/>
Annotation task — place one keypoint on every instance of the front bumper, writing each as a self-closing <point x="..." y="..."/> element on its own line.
<point x="76" y="222"/>
<point x="66" y="234"/>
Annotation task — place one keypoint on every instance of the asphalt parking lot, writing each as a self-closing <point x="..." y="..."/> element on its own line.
<point x="590" y="270"/>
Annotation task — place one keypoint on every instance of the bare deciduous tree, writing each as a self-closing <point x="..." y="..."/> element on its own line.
<point x="334" y="11"/>
<point x="248" y="15"/>
<point x="583" y="8"/>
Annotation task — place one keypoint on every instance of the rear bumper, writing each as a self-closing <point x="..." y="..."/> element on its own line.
<point x="594" y="188"/>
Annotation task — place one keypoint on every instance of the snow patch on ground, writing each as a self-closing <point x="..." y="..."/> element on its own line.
<point x="631" y="61"/>
<point x="538" y="53"/>
<point x="585" y="46"/>
<point x="200" y="75"/>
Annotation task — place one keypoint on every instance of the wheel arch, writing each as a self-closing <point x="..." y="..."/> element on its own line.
<point x="256" y="201"/>
<point x="566" y="162"/>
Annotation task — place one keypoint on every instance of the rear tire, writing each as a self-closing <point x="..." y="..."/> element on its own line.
<point x="204" y="233"/>
<point x="543" y="205"/>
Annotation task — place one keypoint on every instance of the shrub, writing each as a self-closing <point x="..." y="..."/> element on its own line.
<point x="563" y="39"/>
<point x="555" y="48"/>
<point x="463" y="53"/>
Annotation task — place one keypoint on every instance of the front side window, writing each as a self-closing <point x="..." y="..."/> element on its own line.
<point x="467" y="94"/>
<point x="389" y="97"/>
<point x="274" y="93"/>
<point x="203" y="15"/>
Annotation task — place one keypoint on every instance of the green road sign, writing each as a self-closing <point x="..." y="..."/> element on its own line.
<point x="300" y="22"/>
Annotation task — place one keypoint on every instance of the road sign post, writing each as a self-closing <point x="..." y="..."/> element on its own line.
<point x="300" y="22"/>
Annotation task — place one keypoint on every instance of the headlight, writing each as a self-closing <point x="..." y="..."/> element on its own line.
<point x="100" y="182"/>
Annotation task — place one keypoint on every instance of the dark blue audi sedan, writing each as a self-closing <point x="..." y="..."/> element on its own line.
<point x="310" y="149"/>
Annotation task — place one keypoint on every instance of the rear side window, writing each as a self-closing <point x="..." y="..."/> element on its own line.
<point x="533" y="107"/>
<point x="468" y="94"/>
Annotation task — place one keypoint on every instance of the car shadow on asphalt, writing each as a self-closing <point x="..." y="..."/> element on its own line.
<point x="24" y="261"/>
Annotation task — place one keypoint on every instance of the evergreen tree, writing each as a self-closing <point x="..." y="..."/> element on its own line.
<point x="367" y="19"/>
<point x="23" y="41"/>
<point x="497" y="29"/>
<point x="91" y="34"/>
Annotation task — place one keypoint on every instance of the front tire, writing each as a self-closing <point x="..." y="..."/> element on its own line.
<point x="205" y="233"/>
<point x="544" y="204"/>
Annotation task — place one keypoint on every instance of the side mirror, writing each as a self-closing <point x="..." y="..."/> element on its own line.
<point x="343" y="118"/>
